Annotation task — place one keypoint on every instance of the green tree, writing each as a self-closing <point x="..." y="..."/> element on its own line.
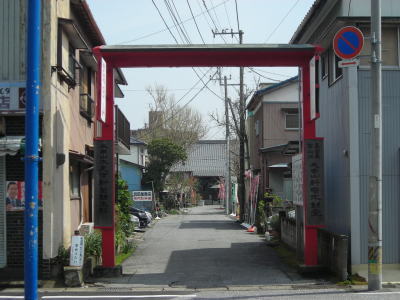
<point x="163" y="153"/>
<point x="124" y="225"/>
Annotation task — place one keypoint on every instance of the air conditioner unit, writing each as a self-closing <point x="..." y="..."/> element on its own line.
<point x="86" y="228"/>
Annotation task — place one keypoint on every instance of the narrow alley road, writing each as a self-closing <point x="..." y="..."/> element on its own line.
<point x="203" y="249"/>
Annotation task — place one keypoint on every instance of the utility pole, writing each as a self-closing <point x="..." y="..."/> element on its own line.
<point x="242" y="191"/>
<point x="375" y="185"/>
<point x="242" y="129"/>
<point x="228" y="151"/>
<point x="33" y="90"/>
<point x="228" y="180"/>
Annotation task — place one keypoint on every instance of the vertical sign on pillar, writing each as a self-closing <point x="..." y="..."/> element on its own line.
<point x="314" y="181"/>
<point x="103" y="183"/>
<point x="103" y="90"/>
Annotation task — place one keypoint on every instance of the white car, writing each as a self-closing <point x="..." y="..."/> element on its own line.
<point x="135" y="220"/>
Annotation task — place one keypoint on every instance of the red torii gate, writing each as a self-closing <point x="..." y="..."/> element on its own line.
<point x="126" y="56"/>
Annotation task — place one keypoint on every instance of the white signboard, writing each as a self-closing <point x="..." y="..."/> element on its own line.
<point x="142" y="196"/>
<point x="103" y="90"/>
<point x="77" y="251"/>
<point x="12" y="96"/>
<point x="297" y="179"/>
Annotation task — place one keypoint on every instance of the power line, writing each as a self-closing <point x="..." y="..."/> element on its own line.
<point x="166" y="25"/>
<point x="237" y="15"/>
<point x="194" y="19"/>
<point x="163" y="30"/>
<point x="174" y="18"/>
<point x="272" y="73"/>
<point x="212" y="19"/>
<point x="254" y="71"/>
<point x="283" y="19"/>
<point x="229" y="21"/>
<point x="175" y="22"/>
<point x="179" y="17"/>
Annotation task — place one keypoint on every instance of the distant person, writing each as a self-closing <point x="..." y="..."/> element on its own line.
<point x="12" y="201"/>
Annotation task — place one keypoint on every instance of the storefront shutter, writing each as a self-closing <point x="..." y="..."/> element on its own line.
<point x="3" y="246"/>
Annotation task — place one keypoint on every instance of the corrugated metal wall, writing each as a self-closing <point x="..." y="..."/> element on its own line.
<point x="12" y="40"/>
<point x="333" y="126"/>
<point x="391" y="163"/>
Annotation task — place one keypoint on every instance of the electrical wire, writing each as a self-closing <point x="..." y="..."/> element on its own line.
<point x="237" y="16"/>
<point x="166" y="25"/>
<point x="180" y="20"/>
<point x="272" y="73"/>
<point x="163" y="30"/>
<point x="269" y="78"/>
<point x="174" y="18"/>
<point x="283" y="19"/>
<point x="194" y="19"/>
<point x="212" y="20"/>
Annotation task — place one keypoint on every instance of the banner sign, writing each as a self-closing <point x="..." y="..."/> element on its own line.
<point x="12" y="98"/>
<point x="103" y="183"/>
<point x="15" y="195"/>
<point x="314" y="181"/>
<point x="142" y="195"/>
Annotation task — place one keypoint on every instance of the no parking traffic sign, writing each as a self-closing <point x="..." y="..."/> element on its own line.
<point x="348" y="42"/>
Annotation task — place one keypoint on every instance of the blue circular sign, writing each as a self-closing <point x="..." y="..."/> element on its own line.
<point x="348" y="42"/>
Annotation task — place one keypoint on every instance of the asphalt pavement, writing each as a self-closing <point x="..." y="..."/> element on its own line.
<point x="203" y="248"/>
<point x="204" y="254"/>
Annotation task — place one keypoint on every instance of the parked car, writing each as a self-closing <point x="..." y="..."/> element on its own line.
<point x="135" y="220"/>
<point x="141" y="214"/>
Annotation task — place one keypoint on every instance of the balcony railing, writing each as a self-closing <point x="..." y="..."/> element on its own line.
<point x="86" y="107"/>
<point x="122" y="128"/>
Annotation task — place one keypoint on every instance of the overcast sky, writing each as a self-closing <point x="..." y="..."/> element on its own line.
<point x="138" y="22"/>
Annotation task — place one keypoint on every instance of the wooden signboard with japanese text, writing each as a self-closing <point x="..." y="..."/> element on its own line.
<point x="314" y="181"/>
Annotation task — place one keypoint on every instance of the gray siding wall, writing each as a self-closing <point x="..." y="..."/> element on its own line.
<point x="12" y="37"/>
<point x="333" y="127"/>
<point x="391" y="163"/>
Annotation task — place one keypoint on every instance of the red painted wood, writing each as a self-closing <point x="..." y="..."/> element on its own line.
<point x="108" y="247"/>
<point x="207" y="58"/>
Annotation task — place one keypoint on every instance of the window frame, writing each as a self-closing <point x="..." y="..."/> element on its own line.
<point x="74" y="171"/>
<point x="298" y="120"/>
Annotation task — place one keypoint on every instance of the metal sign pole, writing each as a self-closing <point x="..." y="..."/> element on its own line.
<point x="33" y="86"/>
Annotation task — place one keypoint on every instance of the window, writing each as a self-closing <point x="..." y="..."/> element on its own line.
<point x="74" y="180"/>
<point x="69" y="40"/>
<point x="324" y="64"/>
<point x="292" y="121"/>
<point x="334" y="71"/>
<point x="257" y="127"/>
<point x="86" y="102"/>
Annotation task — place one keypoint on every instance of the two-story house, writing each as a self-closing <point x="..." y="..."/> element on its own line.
<point x="345" y="124"/>
<point x="131" y="167"/>
<point x="273" y="134"/>
<point x="67" y="127"/>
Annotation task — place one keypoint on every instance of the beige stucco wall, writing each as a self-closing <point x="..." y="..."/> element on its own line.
<point x="56" y="218"/>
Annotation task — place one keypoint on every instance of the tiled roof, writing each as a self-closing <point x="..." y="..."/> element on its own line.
<point x="136" y="141"/>
<point x="205" y="158"/>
